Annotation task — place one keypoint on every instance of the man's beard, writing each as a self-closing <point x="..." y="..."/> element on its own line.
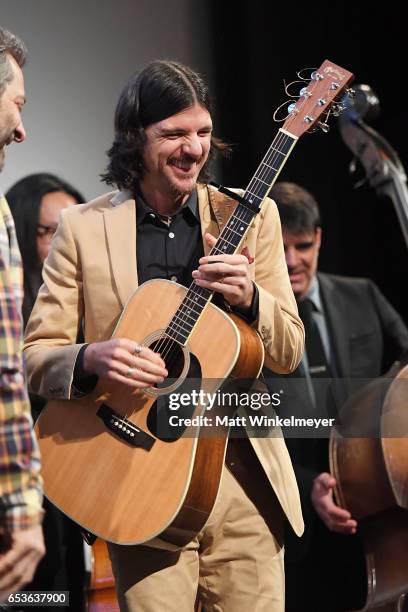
<point x="178" y="193"/>
<point x="2" y="156"/>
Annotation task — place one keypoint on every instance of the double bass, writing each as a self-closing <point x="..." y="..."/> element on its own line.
<point x="369" y="451"/>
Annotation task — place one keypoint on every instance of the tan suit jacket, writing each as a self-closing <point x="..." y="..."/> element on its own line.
<point x="90" y="274"/>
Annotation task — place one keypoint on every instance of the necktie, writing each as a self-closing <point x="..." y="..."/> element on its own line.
<point x="319" y="367"/>
<point x="319" y="373"/>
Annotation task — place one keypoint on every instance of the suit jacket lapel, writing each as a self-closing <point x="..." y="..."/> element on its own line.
<point x="208" y="220"/>
<point x="333" y="307"/>
<point x="120" y="226"/>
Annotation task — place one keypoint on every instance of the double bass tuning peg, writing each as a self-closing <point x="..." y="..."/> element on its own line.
<point x="337" y="108"/>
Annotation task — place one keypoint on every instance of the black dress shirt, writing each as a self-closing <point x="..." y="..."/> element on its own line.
<point x="168" y="250"/>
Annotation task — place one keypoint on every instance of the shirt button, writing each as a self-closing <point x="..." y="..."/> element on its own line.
<point x="171" y="235"/>
<point x="173" y="278"/>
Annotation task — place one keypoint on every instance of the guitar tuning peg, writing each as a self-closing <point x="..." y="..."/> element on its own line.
<point x="305" y="93"/>
<point x="350" y="92"/>
<point x="325" y="127"/>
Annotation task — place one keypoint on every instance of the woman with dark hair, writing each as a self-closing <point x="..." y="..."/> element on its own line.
<point x="36" y="202"/>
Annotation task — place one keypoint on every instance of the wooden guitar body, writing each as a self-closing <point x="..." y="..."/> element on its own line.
<point x="110" y="464"/>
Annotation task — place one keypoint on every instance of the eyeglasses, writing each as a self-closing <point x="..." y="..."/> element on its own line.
<point x="46" y="230"/>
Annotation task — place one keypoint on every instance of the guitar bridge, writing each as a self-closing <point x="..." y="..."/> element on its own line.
<point x="125" y="429"/>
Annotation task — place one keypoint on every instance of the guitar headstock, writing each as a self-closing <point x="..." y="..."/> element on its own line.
<point x="325" y="89"/>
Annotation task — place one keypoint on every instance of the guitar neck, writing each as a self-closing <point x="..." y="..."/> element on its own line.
<point x="325" y="87"/>
<point x="269" y="168"/>
<point x="234" y="231"/>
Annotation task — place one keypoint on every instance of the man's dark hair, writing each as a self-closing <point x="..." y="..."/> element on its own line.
<point x="162" y="89"/>
<point x="298" y="209"/>
<point x="10" y="44"/>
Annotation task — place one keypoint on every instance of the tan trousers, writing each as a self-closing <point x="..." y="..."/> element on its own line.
<point x="235" y="563"/>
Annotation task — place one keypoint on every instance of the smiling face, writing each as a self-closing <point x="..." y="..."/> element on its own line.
<point x="11" y="103"/>
<point x="301" y="254"/>
<point x="175" y="151"/>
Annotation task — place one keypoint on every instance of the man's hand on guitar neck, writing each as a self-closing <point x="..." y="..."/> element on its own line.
<point x="122" y="360"/>
<point x="226" y="274"/>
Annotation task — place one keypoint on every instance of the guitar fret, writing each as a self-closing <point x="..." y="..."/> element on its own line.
<point x="267" y="169"/>
<point x="277" y="150"/>
<point x="269" y="166"/>
<point x="195" y="297"/>
<point x="253" y="194"/>
<point x="183" y="321"/>
<point x="230" y="229"/>
<point x="230" y="243"/>
<point x="176" y="335"/>
<point x="256" y="178"/>
<point x="190" y="308"/>
<point x="236" y="221"/>
<point x="178" y="328"/>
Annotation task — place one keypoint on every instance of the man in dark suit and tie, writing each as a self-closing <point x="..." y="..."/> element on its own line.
<point x="352" y="332"/>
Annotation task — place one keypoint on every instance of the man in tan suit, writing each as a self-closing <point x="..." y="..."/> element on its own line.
<point x="162" y="224"/>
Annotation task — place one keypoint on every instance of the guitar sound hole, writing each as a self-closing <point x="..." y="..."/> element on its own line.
<point x="173" y="356"/>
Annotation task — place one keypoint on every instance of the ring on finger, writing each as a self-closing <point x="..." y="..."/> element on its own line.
<point x="130" y="372"/>
<point x="138" y="349"/>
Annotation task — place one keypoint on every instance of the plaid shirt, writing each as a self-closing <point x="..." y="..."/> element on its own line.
<point x="20" y="481"/>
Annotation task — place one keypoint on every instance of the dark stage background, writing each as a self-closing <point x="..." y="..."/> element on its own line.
<point x="258" y="44"/>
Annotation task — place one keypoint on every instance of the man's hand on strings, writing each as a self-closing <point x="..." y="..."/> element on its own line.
<point x="226" y="274"/>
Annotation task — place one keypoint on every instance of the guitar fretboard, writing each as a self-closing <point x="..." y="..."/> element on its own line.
<point x="186" y="316"/>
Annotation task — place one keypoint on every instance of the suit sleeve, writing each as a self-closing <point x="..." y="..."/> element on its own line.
<point x="395" y="332"/>
<point x="278" y="322"/>
<point x="50" y="340"/>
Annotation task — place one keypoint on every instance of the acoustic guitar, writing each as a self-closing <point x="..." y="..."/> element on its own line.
<point x="110" y="460"/>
